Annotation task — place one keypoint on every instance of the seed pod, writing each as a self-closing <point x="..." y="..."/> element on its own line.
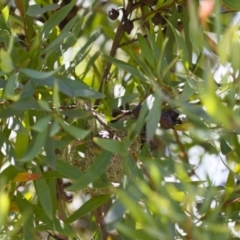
<point x="150" y="2"/>
<point x="174" y="115"/>
<point x="166" y="121"/>
<point x="157" y="19"/>
<point x="128" y="25"/>
<point x="113" y="14"/>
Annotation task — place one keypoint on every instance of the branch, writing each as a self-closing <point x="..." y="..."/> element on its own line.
<point x="118" y="36"/>
<point x="19" y="5"/>
<point x="151" y="181"/>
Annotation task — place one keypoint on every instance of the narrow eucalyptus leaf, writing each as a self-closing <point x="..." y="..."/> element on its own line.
<point x="111" y="145"/>
<point x="35" y="146"/>
<point x="74" y="131"/>
<point x="232" y="4"/>
<point x="41" y="124"/>
<point x="70" y="87"/>
<point x="25" y="104"/>
<point x="6" y="64"/>
<point x="56" y="18"/>
<point x="95" y="170"/>
<point x="37" y="74"/>
<point x="77" y="113"/>
<point x="153" y="117"/>
<point x="36" y="9"/>
<point x="7" y="175"/>
<point x="10" y="88"/>
<point x="126" y="67"/>
<point x="147" y="52"/>
<point x="44" y="195"/>
<point x="27" y="216"/>
<point x="224" y="146"/>
<point x="87" y="207"/>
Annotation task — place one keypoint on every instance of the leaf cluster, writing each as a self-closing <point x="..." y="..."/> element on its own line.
<point x="111" y="111"/>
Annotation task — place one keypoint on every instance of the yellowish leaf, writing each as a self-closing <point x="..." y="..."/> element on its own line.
<point x="25" y="177"/>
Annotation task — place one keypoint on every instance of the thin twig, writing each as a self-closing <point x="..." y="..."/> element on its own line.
<point x="99" y="215"/>
<point x="152" y="183"/>
<point x="183" y="153"/>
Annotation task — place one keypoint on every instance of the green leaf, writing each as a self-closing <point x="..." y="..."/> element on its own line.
<point x="140" y="120"/>
<point x="62" y="228"/>
<point x="68" y="27"/>
<point x="28" y="20"/>
<point x="5" y="204"/>
<point x="113" y="146"/>
<point x="25" y="104"/>
<point x="49" y="147"/>
<point x="233" y="4"/>
<point x="226" y="43"/>
<point x="52" y="174"/>
<point x="55" y="128"/>
<point x="108" y="31"/>
<point x="195" y="32"/>
<point x="37" y="74"/>
<point x="132" y="233"/>
<point x="146" y="51"/>
<point x="56" y="18"/>
<point x="10" y="88"/>
<point x="65" y="169"/>
<point x="213" y="105"/>
<point x="41" y="215"/>
<point x="79" y="89"/>
<point x="42" y="124"/>
<point x="8" y="112"/>
<point x="126" y="67"/>
<point x="44" y="105"/>
<point x="56" y="43"/>
<point x="21" y="144"/>
<point x="229" y="186"/>
<point x="136" y="211"/>
<point x="87" y="207"/>
<point x="36" y="9"/>
<point x="169" y="37"/>
<point x="94" y="171"/>
<point x="68" y="170"/>
<point x="56" y="99"/>
<point x="6" y="64"/>
<point x="225" y="148"/>
<point x="182" y="48"/>
<point x="115" y="213"/>
<point x="72" y="130"/>
<point x="35" y="146"/>
<point x="84" y="50"/>
<point x="27" y="216"/>
<point x="55" y="224"/>
<point x="70" y="87"/>
<point x="22" y="138"/>
<point x="77" y="113"/>
<point x="44" y="194"/>
<point x="5" y="13"/>
<point x="154" y="105"/>
<point x="121" y="101"/>
<point x="7" y="175"/>
<point x="154" y="46"/>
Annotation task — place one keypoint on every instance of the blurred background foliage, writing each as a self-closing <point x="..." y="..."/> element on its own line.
<point x="115" y="117"/>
